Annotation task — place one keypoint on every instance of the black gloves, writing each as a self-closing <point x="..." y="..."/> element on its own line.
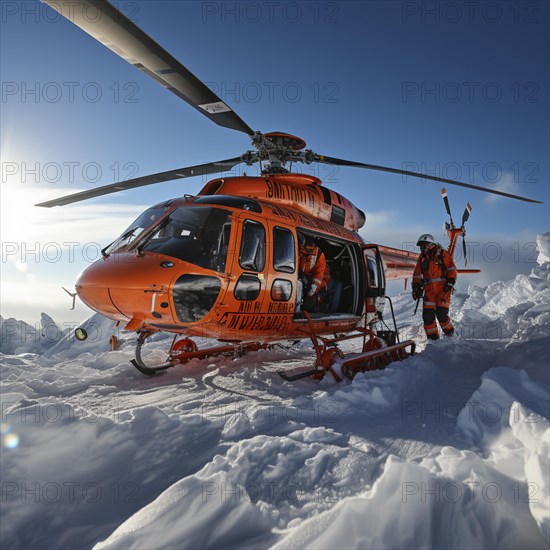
<point x="417" y="292"/>
<point x="449" y="286"/>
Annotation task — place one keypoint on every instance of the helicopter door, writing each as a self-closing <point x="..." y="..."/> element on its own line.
<point x="376" y="279"/>
<point x="282" y="275"/>
<point x="249" y="267"/>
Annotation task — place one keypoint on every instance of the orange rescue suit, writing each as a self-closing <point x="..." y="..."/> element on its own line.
<point x="435" y="269"/>
<point x="313" y="266"/>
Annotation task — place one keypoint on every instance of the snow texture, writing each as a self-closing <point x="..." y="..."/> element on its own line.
<point x="448" y="449"/>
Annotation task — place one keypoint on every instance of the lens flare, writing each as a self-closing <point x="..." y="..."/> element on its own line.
<point x="5" y="428"/>
<point x="11" y="441"/>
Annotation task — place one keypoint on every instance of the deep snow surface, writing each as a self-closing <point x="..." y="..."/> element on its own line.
<point x="448" y="449"/>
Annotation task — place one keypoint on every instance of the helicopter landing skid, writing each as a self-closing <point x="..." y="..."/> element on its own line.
<point x="375" y="355"/>
<point x="182" y="351"/>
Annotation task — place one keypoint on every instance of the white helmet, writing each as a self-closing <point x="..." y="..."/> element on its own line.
<point x="425" y="238"/>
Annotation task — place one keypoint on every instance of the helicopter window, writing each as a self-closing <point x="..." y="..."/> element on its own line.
<point x="281" y="290"/>
<point x="375" y="272"/>
<point x="284" y="254"/>
<point x="222" y="247"/>
<point x="338" y="215"/>
<point x="243" y="203"/>
<point x="144" y="221"/>
<point x="252" y="254"/>
<point x="326" y="195"/>
<point x="194" y="296"/>
<point x="372" y="272"/>
<point x="198" y="235"/>
<point x="248" y="287"/>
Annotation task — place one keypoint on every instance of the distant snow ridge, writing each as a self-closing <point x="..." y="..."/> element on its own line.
<point x="20" y="337"/>
<point x="99" y="329"/>
<point x="48" y="338"/>
<point x="543" y="244"/>
<point x="517" y="310"/>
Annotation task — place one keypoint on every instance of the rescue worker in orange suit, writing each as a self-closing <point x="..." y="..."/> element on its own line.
<point x="313" y="271"/>
<point x="434" y="279"/>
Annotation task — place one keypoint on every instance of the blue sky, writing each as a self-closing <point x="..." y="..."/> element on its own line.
<point x="458" y="89"/>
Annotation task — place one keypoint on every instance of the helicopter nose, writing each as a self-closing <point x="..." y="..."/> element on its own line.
<point x="126" y="286"/>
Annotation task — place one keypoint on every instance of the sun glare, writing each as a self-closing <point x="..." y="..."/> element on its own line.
<point x="20" y="220"/>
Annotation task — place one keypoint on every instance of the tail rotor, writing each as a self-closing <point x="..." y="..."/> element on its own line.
<point x="452" y="230"/>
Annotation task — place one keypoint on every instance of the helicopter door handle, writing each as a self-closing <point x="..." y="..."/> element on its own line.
<point x="154" y="293"/>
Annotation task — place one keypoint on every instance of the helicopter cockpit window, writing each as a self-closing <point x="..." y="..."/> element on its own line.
<point x="252" y="254"/>
<point x="198" y="235"/>
<point x="145" y="220"/>
<point x="284" y="254"/>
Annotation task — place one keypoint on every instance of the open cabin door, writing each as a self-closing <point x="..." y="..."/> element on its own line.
<point x="374" y="267"/>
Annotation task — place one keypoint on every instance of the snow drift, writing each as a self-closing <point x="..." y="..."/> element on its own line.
<point x="446" y="449"/>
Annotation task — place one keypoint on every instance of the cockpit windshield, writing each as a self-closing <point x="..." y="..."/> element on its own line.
<point x="145" y="220"/>
<point x="194" y="234"/>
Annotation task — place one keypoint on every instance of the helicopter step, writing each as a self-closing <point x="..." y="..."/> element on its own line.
<point x="375" y="359"/>
<point x="379" y="349"/>
<point x="298" y="373"/>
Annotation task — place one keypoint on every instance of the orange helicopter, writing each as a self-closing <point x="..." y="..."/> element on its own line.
<point x="224" y="264"/>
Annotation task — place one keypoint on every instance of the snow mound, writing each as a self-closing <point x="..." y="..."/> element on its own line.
<point x="543" y="244"/>
<point x="448" y="501"/>
<point x="448" y="449"/>
<point x="99" y="329"/>
<point x="258" y="483"/>
<point x="47" y="338"/>
<point x="19" y="337"/>
<point x="517" y="310"/>
<point x="507" y="418"/>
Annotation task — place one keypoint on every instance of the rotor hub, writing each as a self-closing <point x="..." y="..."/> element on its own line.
<point x="286" y="141"/>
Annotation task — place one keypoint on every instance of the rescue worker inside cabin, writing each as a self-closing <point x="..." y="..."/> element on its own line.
<point x="433" y="280"/>
<point x="313" y="272"/>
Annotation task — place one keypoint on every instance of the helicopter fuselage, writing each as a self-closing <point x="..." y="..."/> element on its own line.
<point x="224" y="264"/>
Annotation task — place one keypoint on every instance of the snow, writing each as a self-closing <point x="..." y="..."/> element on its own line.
<point x="448" y="449"/>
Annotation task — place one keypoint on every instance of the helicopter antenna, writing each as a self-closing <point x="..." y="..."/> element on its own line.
<point x="71" y="294"/>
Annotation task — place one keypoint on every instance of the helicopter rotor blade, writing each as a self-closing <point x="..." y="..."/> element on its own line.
<point x="180" y="173"/>
<point x="447" y="205"/>
<point x="108" y="25"/>
<point x="466" y="214"/>
<point x="341" y="162"/>
<point x="465" y="217"/>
